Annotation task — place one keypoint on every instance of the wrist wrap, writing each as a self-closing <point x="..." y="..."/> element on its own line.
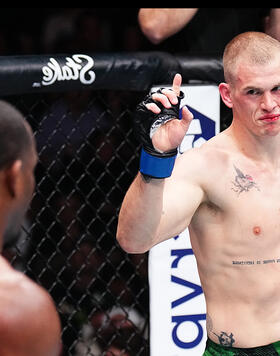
<point x="153" y="163"/>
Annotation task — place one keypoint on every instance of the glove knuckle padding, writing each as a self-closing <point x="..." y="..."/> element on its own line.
<point x="147" y="122"/>
<point x="152" y="162"/>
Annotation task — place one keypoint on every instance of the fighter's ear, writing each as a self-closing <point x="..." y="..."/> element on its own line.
<point x="12" y="178"/>
<point x="225" y="93"/>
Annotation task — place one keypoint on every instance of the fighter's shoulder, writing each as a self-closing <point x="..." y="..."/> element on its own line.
<point x="22" y="296"/>
<point x="213" y="152"/>
<point x="27" y="315"/>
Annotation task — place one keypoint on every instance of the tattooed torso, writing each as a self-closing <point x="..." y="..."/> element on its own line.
<point x="235" y="235"/>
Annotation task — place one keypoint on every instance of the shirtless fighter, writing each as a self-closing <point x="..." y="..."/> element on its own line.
<point x="29" y="322"/>
<point x="227" y="192"/>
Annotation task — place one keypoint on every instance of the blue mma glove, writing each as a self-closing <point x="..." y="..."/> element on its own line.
<point x="154" y="163"/>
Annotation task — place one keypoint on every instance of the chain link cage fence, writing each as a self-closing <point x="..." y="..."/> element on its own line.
<point x="88" y="157"/>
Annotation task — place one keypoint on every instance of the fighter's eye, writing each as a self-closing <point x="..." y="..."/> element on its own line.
<point x="253" y="92"/>
<point x="277" y="88"/>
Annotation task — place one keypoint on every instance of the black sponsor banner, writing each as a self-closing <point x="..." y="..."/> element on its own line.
<point x="117" y="71"/>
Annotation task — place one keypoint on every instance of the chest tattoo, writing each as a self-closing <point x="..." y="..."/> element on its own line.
<point x="243" y="182"/>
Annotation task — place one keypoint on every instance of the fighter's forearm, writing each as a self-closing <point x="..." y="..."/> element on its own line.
<point x="140" y="215"/>
<point x="159" y="130"/>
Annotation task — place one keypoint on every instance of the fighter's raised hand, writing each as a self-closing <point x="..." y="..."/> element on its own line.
<point x="158" y="126"/>
<point x="170" y="134"/>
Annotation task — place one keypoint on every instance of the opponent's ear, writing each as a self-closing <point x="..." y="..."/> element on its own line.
<point x="225" y="92"/>
<point x="12" y="178"/>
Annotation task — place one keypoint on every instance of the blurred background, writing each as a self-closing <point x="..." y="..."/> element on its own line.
<point x="62" y="30"/>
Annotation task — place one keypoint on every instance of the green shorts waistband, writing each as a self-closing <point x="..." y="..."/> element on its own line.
<point x="213" y="349"/>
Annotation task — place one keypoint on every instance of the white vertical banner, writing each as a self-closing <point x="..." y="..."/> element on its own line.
<point x="177" y="305"/>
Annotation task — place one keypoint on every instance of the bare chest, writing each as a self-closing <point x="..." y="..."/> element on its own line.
<point x="246" y="208"/>
<point x="253" y="199"/>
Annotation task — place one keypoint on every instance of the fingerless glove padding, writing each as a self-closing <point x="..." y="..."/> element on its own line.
<point x="145" y="125"/>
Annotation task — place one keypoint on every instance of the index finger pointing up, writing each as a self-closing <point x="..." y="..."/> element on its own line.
<point x="177" y="81"/>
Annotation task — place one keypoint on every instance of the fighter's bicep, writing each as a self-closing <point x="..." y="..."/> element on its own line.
<point x="181" y="199"/>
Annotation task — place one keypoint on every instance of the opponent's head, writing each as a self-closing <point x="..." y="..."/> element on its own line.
<point x="18" y="159"/>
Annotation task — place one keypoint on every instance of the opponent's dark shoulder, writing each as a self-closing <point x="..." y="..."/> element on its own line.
<point x="29" y="323"/>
